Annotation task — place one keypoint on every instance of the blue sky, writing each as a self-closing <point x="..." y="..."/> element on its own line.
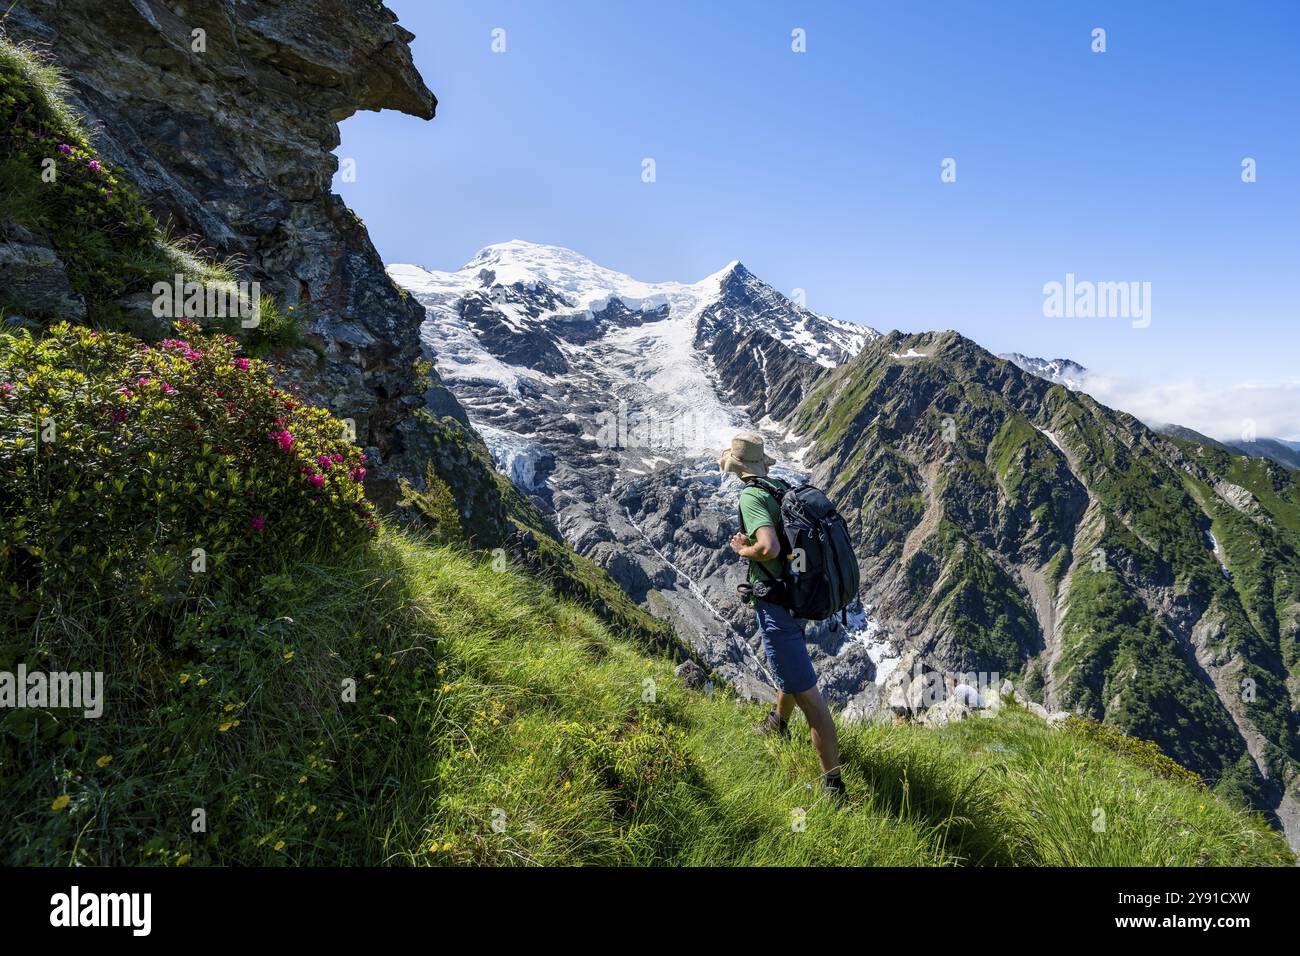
<point x="821" y="170"/>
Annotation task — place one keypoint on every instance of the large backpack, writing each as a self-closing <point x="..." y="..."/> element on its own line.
<point x="819" y="569"/>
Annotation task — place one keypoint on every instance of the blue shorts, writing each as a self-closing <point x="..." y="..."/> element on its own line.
<point x="783" y="642"/>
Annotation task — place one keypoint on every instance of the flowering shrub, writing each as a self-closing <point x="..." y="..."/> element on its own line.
<point x="156" y="469"/>
<point x="106" y="237"/>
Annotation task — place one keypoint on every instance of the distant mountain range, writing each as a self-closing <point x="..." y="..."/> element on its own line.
<point x="1006" y="521"/>
<point x="1074" y="376"/>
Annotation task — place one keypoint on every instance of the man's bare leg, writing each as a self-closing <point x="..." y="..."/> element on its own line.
<point x="819" y="719"/>
<point x="784" y="704"/>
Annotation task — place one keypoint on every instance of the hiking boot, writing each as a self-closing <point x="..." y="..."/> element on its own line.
<point x="833" y="787"/>
<point x="773" y="724"/>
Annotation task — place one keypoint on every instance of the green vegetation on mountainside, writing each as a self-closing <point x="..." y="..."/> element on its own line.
<point x="1119" y="661"/>
<point x="1261" y="593"/>
<point x="951" y="461"/>
<point x="960" y="589"/>
<point x="56" y="183"/>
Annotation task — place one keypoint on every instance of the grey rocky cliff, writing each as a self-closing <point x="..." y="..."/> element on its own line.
<point x="232" y="144"/>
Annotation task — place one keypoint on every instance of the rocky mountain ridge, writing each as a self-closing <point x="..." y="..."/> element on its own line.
<point x="1075" y="377"/>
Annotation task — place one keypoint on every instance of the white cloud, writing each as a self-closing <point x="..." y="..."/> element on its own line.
<point x="1221" y="412"/>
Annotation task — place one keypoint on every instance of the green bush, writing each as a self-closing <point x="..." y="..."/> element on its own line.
<point x="132" y="470"/>
<point x="277" y="329"/>
<point x="436" y="505"/>
<point x="1144" y="753"/>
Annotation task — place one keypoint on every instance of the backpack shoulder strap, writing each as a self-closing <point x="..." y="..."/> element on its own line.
<point x="749" y="483"/>
<point x="776" y="489"/>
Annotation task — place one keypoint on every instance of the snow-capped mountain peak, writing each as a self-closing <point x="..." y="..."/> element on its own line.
<point x="582" y="284"/>
<point x="508" y="270"/>
<point x="1059" y="370"/>
<point x="748" y="304"/>
<point x="539" y="342"/>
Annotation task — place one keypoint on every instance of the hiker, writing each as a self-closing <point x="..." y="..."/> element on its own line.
<point x="783" y="635"/>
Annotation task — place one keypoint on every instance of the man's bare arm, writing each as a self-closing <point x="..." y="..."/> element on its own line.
<point x="764" y="548"/>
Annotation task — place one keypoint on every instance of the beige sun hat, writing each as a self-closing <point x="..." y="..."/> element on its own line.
<point x="746" y="457"/>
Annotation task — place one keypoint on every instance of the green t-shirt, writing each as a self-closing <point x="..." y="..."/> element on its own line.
<point x="759" y="509"/>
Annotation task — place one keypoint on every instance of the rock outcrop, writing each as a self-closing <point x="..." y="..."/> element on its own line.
<point x="35" y="276"/>
<point x="224" y="114"/>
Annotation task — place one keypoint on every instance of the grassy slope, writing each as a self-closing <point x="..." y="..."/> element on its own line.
<point x="483" y="697"/>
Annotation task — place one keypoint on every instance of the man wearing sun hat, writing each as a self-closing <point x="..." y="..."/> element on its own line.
<point x="783" y="635"/>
